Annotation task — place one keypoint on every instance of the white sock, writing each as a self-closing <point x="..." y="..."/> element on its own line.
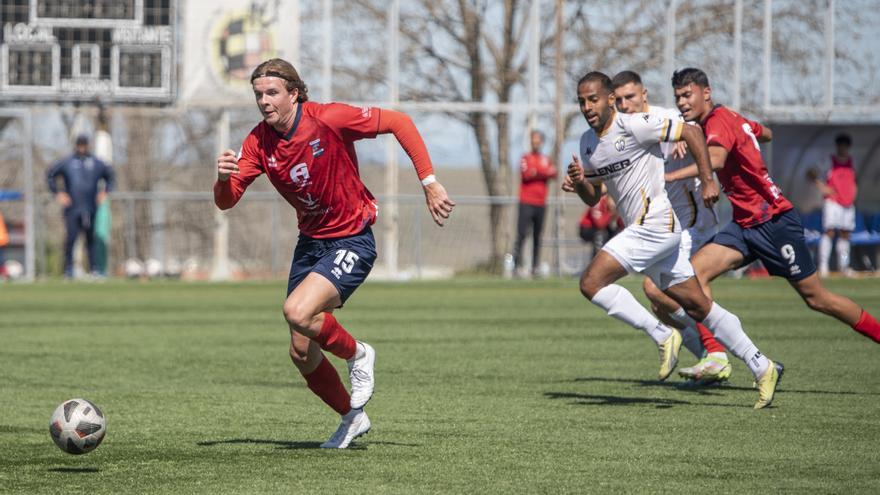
<point x="728" y="330"/>
<point x="824" y="252"/>
<point x="619" y="303"/>
<point x="690" y="337"/>
<point x="842" y="254"/>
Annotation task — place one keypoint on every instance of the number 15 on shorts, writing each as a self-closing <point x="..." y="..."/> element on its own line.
<point x="344" y="262"/>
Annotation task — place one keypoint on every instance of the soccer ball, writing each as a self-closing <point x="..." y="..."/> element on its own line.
<point x="77" y="426"/>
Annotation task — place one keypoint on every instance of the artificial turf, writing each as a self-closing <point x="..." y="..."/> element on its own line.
<point x="483" y="386"/>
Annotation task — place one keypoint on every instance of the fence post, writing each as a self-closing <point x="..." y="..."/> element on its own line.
<point x="418" y="239"/>
<point x="276" y="229"/>
<point x="220" y="267"/>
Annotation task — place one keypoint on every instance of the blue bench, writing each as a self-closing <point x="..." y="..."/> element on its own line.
<point x="866" y="233"/>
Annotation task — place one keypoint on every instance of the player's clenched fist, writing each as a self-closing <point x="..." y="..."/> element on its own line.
<point x="710" y="193"/>
<point x="575" y="170"/>
<point x="227" y="164"/>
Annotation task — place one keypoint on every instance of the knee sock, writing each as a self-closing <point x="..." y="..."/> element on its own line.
<point x="728" y="330"/>
<point x="620" y="303"/>
<point x="824" y="252"/>
<point x="334" y="339"/>
<point x="842" y="254"/>
<point x="868" y="327"/>
<point x="325" y="383"/>
<point x="709" y="342"/>
<point x="690" y="337"/>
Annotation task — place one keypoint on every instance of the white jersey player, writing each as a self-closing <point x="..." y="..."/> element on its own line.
<point x="621" y="153"/>
<point x="699" y="223"/>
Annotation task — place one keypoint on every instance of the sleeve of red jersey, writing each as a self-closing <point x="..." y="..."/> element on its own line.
<point x="227" y="193"/>
<point x="757" y="129"/>
<point x="718" y="134"/>
<point x="351" y="122"/>
<point x="409" y="138"/>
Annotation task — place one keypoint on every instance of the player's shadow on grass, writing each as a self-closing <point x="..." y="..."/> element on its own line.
<point x="74" y="470"/>
<point x="291" y="445"/>
<point x="710" y="389"/>
<point x="281" y="444"/>
<point x="614" y="400"/>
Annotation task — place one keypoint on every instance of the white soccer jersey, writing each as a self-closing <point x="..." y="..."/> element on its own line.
<point x="627" y="158"/>
<point x="685" y="194"/>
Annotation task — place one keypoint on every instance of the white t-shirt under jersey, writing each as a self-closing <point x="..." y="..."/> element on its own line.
<point x="627" y="158"/>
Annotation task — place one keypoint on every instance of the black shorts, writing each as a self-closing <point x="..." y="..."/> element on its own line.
<point x="344" y="261"/>
<point x="779" y="244"/>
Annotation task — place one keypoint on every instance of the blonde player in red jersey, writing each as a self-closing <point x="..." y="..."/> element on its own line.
<point x="307" y="152"/>
<point x="765" y="226"/>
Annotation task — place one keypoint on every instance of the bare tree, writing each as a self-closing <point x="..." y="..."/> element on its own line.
<point x="464" y="51"/>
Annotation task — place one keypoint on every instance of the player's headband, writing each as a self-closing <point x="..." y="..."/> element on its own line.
<point x="270" y="73"/>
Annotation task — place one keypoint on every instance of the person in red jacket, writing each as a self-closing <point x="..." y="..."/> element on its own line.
<point x="599" y="223"/>
<point x="536" y="169"/>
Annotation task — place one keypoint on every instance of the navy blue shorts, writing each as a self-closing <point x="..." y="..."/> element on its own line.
<point x="344" y="261"/>
<point x="779" y="244"/>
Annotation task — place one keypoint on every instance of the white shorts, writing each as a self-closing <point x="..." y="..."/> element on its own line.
<point x="693" y="239"/>
<point x="656" y="254"/>
<point x="838" y="217"/>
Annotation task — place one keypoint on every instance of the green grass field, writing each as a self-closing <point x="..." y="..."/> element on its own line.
<point x="482" y="387"/>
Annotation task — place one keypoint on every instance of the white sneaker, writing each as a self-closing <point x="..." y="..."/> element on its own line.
<point x="354" y="424"/>
<point x="360" y="374"/>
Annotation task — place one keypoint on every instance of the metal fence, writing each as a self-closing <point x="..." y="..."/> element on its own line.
<point x="174" y="234"/>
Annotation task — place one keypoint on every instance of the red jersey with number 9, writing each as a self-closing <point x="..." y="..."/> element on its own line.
<point x="744" y="178"/>
<point x="314" y="167"/>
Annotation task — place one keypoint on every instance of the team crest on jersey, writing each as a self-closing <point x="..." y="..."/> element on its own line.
<point x="316" y="148"/>
<point x="620" y="143"/>
<point x="273" y="163"/>
<point x="299" y="174"/>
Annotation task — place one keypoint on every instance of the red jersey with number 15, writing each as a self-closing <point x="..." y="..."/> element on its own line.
<point x="744" y="178"/>
<point x="314" y="167"/>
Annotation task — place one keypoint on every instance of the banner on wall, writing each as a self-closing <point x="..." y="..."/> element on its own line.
<point x="224" y="40"/>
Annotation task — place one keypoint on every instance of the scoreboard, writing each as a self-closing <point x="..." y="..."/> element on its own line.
<point x="83" y="50"/>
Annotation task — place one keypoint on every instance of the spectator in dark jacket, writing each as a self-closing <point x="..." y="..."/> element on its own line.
<point x="81" y="173"/>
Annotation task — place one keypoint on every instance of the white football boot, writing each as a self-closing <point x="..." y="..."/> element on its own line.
<point x="354" y="424"/>
<point x="360" y="374"/>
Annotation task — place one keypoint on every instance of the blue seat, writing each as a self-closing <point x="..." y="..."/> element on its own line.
<point x="812" y="223"/>
<point x="874" y="222"/>
<point x="10" y="195"/>
<point x="864" y="234"/>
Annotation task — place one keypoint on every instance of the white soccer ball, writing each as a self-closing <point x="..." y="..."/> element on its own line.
<point x="154" y="268"/>
<point x="133" y="268"/>
<point x="14" y="269"/>
<point x="77" y="426"/>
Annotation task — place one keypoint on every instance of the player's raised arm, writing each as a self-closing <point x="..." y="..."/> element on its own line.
<point x="399" y="124"/>
<point x="576" y="181"/>
<point x="696" y="142"/>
